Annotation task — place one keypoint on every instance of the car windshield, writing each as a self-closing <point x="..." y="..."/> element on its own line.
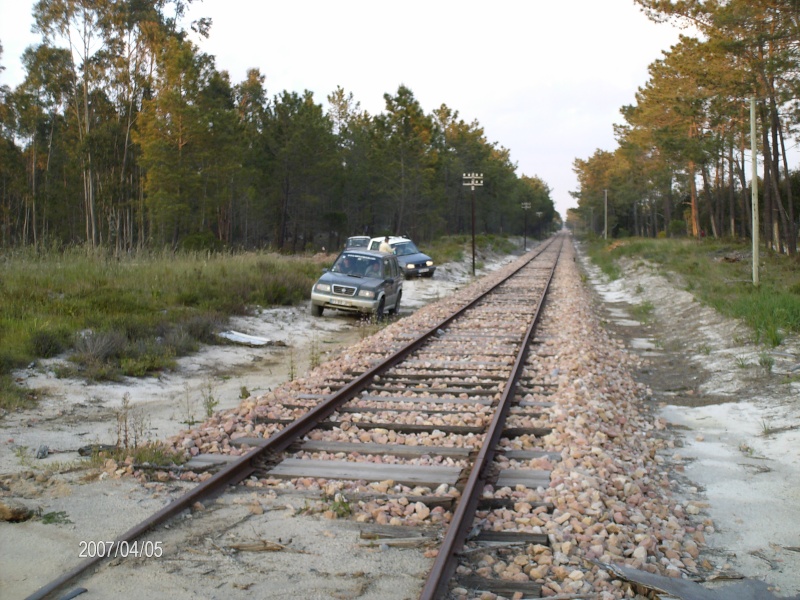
<point x="357" y="266"/>
<point x="404" y="248"/>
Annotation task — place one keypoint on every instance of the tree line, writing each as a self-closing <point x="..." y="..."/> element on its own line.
<point x="125" y="135"/>
<point x="681" y="165"/>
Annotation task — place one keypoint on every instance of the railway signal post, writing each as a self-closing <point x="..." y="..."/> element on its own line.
<point x="473" y="180"/>
<point x="525" y="207"/>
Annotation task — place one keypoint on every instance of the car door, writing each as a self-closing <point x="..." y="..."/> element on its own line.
<point x="393" y="273"/>
<point x="389" y="288"/>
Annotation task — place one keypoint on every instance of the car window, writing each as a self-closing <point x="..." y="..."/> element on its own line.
<point x="357" y="265"/>
<point x="373" y="268"/>
<point x="375" y="245"/>
<point x="357" y="242"/>
<point x="404" y="248"/>
<point x="344" y="264"/>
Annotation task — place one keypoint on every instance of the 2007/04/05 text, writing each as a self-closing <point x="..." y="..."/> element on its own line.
<point x="137" y="549"/>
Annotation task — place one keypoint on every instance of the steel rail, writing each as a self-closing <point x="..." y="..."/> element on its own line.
<point x="446" y="561"/>
<point x="243" y="467"/>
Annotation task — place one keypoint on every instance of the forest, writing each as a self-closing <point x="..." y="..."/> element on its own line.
<point x="125" y="136"/>
<point x="682" y="164"/>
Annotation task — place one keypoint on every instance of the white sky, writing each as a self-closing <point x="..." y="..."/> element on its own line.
<point x="544" y="78"/>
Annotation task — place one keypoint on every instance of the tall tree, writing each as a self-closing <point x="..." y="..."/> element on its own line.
<point x="171" y="134"/>
<point x="762" y="35"/>
<point x="12" y="182"/>
<point x="303" y="164"/>
<point x="408" y="133"/>
<point x="252" y="106"/>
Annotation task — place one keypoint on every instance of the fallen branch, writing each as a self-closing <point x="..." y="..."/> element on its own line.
<point x="262" y="546"/>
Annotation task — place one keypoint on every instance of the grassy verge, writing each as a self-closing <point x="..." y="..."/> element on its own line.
<point x="453" y="248"/>
<point x="719" y="273"/>
<point x="135" y="316"/>
<point x="132" y="316"/>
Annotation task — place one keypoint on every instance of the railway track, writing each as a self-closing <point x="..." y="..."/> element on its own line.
<point x="447" y="422"/>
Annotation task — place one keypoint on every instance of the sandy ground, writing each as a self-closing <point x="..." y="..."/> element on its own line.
<point x="737" y="422"/>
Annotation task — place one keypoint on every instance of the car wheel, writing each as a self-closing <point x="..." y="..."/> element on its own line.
<point x="380" y="310"/>
<point x="396" y="308"/>
<point x="316" y="310"/>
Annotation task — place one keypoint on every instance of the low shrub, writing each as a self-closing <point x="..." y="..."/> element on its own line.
<point x="49" y="342"/>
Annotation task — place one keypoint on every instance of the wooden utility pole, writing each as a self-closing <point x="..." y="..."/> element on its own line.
<point x="754" y="187"/>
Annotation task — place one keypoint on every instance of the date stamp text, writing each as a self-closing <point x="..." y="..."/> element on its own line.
<point x="135" y="549"/>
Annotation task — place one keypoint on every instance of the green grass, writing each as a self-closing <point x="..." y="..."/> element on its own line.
<point x="450" y="248"/>
<point x="642" y="311"/>
<point x="719" y="273"/>
<point x="454" y="248"/>
<point x="132" y="316"/>
<point x="56" y="518"/>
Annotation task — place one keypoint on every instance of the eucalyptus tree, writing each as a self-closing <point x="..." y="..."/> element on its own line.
<point x="111" y="47"/>
<point x="78" y="24"/>
<point x="12" y="181"/>
<point x="41" y="126"/>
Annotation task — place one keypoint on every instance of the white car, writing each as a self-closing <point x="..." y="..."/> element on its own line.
<point x="412" y="261"/>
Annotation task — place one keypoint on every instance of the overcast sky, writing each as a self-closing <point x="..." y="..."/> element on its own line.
<point x="544" y="78"/>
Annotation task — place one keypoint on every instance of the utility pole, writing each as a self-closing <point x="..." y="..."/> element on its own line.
<point x="605" y="204"/>
<point x="754" y="187"/>
<point x="473" y="180"/>
<point x="525" y="207"/>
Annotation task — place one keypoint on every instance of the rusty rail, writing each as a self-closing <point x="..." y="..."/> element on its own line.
<point x="447" y="560"/>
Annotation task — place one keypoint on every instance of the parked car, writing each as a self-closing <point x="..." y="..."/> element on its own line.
<point x="412" y="261"/>
<point x="360" y="281"/>
<point x="357" y="241"/>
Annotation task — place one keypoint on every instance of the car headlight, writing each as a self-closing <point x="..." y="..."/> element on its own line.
<point x="429" y="263"/>
<point x="409" y="266"/>
<point x="323" y="287"/>
<point x="366" y="293"/>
